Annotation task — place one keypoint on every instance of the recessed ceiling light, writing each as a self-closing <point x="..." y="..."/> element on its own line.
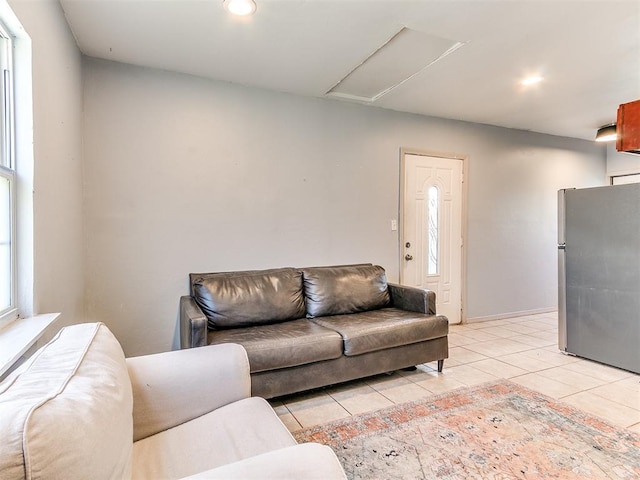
<point x="242" y="8"/>
<point x="532" y="80"/>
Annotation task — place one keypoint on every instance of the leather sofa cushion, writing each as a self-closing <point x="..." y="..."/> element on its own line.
<point x="344" y="289"/>
<point x="243" y="299"/>
<point x="385" y="328"/>
<point x="283" y="345"/>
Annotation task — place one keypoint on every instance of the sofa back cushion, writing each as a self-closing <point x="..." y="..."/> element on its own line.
<point x="243" y="299"/>
<point x="67" y="412"/>
<point x="344" y="289"/>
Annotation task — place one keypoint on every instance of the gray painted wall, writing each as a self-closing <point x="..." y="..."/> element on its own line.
<point x="57" y="138"/>
<point x="183" y="174"/>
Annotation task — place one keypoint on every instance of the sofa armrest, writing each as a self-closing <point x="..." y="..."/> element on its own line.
<point x="310" y="461"/>
<point x="172" y="388"/>
<point x="413" y="299"/>
<point x="193" y="324"/>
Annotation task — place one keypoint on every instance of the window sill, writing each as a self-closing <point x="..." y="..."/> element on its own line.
<point x="19" y="336"/>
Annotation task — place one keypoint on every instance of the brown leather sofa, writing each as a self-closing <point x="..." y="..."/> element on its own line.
<point x="305" y="328"/>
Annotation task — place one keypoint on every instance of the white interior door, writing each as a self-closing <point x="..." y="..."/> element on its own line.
<point x="432" y="230"/>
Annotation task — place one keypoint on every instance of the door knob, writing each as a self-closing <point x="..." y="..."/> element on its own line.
<point x="408" y="257"/>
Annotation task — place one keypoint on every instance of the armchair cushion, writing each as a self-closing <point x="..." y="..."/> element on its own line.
<point x="229" y="434"/>
<point x="310" y="461"/>
<point x="66" y="413"/>
<point x="244" y="299"/>
<point x="344" y="289"/>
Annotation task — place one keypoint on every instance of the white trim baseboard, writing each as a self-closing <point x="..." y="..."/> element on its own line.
<point x="502" y="316"/>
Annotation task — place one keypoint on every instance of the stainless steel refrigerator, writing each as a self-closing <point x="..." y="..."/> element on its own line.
<point x="599" y="274"/>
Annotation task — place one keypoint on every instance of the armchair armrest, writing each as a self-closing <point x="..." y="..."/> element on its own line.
<point x="413" y="299"/>
<point x="172" y="388"/>
<point x="193" y="324"/>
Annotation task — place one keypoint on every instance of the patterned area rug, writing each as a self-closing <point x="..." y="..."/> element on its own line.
<point x="494" y="431"/>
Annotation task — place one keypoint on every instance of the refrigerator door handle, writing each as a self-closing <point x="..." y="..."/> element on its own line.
<point x="562" y="300"/>
<point x="561" y="217"/>
<point x="562" y="279"/>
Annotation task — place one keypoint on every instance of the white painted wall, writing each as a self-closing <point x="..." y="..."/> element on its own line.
<point x="57" y="125"/>
<point x="621" y="163"/>
<point x="186" y="175"/>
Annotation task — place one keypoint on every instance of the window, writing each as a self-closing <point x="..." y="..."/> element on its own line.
<point x="7" y="183"/>
<point x="432" y="231"/>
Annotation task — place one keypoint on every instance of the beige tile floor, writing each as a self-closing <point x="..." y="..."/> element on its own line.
<point x="521" y="349"/>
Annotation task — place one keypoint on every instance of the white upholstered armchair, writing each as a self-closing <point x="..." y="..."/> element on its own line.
<point x="78" y="409"/>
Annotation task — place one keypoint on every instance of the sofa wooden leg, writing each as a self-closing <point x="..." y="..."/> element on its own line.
<point x="440" y="365"/>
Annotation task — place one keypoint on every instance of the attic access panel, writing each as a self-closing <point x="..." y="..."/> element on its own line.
<point x="404" y="55"/>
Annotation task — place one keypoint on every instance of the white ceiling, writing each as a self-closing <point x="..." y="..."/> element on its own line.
<point x="588" y="51"/>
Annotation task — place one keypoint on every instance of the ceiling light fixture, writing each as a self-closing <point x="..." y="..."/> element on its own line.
<point x="606" y="133"/>
<point x="531" y="80"/>
<point x="241" y="8"/>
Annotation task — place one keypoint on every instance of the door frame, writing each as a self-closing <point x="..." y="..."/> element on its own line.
<point x="465" y="187"/>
